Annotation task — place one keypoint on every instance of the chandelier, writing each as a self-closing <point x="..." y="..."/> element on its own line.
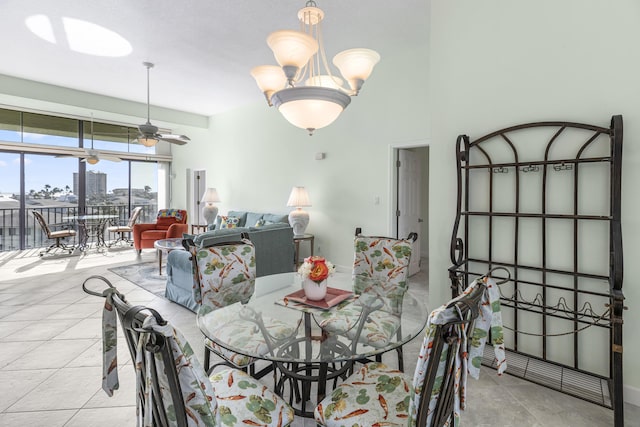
<point x="303" y="88"/>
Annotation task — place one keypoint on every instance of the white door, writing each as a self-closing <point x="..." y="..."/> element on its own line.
<point x="409" y="202"/>
<point x="198" y="187"/>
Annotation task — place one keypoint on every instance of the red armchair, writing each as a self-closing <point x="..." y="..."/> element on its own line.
<point x="169" y="223"/>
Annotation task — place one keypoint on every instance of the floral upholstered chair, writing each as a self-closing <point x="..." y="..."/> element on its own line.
<point x="172" y="388"/>
<point x="170" y="223"/>
<point x="380" y="267"/>
<point x="224" y="276"/>
<point x="455" y="334"/>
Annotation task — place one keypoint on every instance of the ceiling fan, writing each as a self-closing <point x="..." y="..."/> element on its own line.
<point x="93" y="156"/>
<point x="148" y="135"/>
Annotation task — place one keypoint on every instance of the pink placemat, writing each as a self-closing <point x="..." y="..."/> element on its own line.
<point x="299" y="300"/>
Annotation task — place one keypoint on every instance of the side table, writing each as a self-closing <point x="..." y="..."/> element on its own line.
<point x="166" y="246"/>
<point x="296" y="241"/>
<point x="197" y="228"/>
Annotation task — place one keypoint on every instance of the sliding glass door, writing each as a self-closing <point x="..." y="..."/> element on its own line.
<point x="64" y="167"/>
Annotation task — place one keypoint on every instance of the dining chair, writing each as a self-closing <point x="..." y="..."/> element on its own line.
<point x="383" y="263"/>
<point x="124" y="230"/>
<point x="453" y="346"/>
<point x="172" y="388"/>
<point x="224" y="274"/>
<point x="58" y="235"/>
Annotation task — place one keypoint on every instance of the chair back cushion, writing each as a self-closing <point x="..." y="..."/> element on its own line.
<point x="134" y="216"/>
<point x="224" y="273"/>
<point x="172" y="388"/>
<point x="385" y="259"/>
<point x="171" y="216"/>
<point x="194" y="386"/>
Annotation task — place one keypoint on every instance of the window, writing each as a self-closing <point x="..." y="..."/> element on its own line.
<point x="43" y="167"/>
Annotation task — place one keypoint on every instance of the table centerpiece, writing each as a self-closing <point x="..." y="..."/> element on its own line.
<point x="314" y="272"/>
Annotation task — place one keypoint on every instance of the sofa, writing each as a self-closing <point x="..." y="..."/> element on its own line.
<point x="170" y="223"/>
<point x="274" y="251"/>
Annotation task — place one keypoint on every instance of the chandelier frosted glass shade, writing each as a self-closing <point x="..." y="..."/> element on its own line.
<point x="356" y="65"/>
<point x="270" y="78"/>
<point x="304" y="89"/>
<point x="310" y="107"/>
<point x="292" y="48"/>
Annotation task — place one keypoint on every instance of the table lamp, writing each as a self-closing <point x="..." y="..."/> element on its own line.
<point x="298" y="218"/>
<point x="209" y="210"/>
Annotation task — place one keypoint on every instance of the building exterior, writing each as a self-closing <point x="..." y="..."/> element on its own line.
<point x="96" y="183"/>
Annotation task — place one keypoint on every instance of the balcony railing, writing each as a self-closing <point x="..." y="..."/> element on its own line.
<point x="58" y="218"/>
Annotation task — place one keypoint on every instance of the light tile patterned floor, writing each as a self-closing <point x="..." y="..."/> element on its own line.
<point x="51" y="353"/>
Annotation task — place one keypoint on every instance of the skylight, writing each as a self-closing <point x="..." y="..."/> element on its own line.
<point x="79" y="36"/>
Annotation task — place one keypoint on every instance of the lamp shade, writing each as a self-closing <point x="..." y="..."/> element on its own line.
<point x="210" y="196"/>
<point x="299" y="197"/>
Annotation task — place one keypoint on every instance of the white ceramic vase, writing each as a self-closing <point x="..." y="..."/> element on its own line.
<point x="314" y="291"/>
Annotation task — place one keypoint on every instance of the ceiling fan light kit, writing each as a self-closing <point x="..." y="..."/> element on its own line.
<point x="303" y="88"/>
<point x="92" y="160"/>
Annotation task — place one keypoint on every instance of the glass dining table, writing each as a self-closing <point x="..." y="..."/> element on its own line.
<point x="312" y="355"/>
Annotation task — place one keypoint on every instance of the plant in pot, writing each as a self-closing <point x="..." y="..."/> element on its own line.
<point x="314" y="272"/>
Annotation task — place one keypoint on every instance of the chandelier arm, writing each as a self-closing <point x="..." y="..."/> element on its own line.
<point x="323" y="56"/>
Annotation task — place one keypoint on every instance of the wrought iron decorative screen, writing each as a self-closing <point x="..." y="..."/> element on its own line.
<point x="542" y="200"/>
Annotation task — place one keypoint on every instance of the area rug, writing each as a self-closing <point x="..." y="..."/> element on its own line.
<point x="144" y="275"/>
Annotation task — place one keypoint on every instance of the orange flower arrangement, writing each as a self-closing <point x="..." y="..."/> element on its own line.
<point x="316" y="268"/>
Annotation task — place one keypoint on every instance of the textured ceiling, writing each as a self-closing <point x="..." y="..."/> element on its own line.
<point x="203" y="49"/>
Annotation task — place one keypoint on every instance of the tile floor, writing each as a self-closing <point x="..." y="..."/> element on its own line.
<point x="50" y="353"/>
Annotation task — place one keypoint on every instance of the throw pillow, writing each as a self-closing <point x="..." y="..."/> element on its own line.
<point x="229" y="222"/>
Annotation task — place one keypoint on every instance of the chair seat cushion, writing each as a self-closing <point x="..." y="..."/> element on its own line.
<point x="245" y="336"/>
<point x="375" y="394"/>
<point x="340" y="321"/>
<point x="153" y="234"/>
<point x="237" y="359"/>
<point x="378" y="329"/>
<point x="61" y="234"/>
<point x="244" y="401"/>
<point x="119" y="229"/>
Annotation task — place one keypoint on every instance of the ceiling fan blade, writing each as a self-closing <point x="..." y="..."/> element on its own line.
<point x="110" y="158"/>
<point x="175" y="139"/>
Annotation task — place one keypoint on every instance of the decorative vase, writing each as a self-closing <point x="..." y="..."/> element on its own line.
<point x="314" y="291"/>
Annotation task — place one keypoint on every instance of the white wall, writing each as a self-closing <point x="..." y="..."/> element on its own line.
<point x="498" y="63"/>
<point x="254" y="156"/>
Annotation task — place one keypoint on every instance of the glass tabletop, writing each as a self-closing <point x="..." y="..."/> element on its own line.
<point x="172" y="243"/>
<point x="292" y="331"/>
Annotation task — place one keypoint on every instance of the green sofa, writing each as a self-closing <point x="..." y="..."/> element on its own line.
<point x="274" y="253"/>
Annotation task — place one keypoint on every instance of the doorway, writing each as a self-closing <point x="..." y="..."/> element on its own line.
<point x="410" y="209"/>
